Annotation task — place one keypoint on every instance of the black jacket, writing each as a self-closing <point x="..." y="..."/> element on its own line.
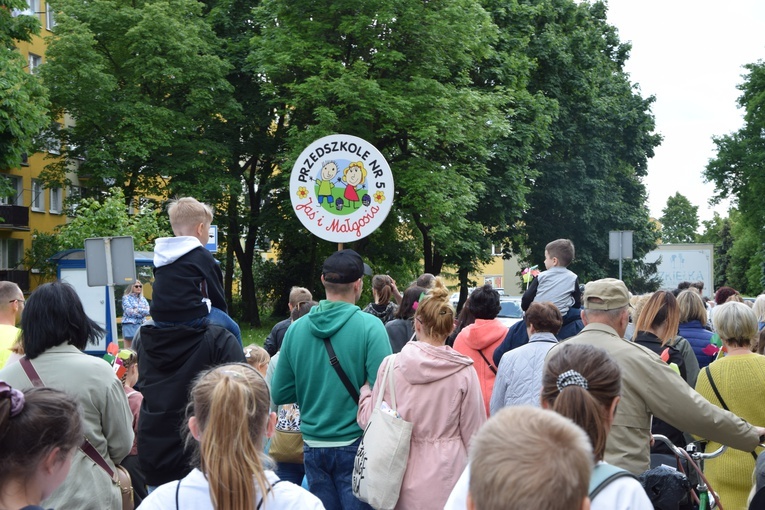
<point x="169" y="361"/>
<point x="275" y="338"/>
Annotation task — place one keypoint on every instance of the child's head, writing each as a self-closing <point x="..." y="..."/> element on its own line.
<point x="129" y="360"/>
<point x="518" y="452"/>
<point x="39" y="430"/>
<point x="559" y="253"/>
<point x="299" y="295"/>
<point x="190" y="217"/>
<point x="583" y="383"/>
<point x="328" y="170"/>
<point x="230" y="418"/>
<point x="302" y="309"/>
<point x="257" y="357"/>
<point x="759" y="345"/>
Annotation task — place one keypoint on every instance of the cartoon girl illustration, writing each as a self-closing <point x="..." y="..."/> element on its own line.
<point x="328" y="172"/>
<point x="353" y="176"/>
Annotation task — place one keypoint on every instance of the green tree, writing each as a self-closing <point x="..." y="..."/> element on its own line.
<point x="738" y="172"/>
<point x="403" y="76"/>
<point x="717" y="231"/>
<point x="108" y="218"/>
<point x="147" y="89"/>
<point x="679" y="220"/>
<point x="588" y="180"/>
<point x="23" y="99"/>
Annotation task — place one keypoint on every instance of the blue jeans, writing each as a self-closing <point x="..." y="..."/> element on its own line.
<point x="329" y="472"/>
<point x="216" y="316"/>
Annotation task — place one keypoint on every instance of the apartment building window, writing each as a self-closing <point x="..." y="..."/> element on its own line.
<point x="56" y="201"/>
<point x="35" y="61"/>
<point x="38" y="198"/>
<point x="15" y="197"/>
<point x="50" y="17"/>
<point x="31" y="9"/>
<point x="11" y="253"/>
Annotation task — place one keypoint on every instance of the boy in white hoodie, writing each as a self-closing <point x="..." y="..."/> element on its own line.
<point x="188" y="283"/>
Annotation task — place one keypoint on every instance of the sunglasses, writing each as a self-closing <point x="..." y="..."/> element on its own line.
<point x="138" y="286"/>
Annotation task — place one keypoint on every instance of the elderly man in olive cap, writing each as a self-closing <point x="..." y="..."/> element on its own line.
<point x="325" y="358"/>
<point x="649" y="386"/>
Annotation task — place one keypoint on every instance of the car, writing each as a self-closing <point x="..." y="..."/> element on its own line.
<point x="510" y="311"/>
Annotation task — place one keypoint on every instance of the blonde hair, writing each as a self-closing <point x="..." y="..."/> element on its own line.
<point x="435" y="312"/>
<point x="299" y="295"/>
<point x="691" y="307"/>
<point x="759" y="308"/>
<point x="256" y="355"/>
<point x="186" y="213"/>
<point x="360" y="166"/>
<point x="512" y="471"/>
<point x="736" y="323"/>
<point x="660" y="309"/>
<point x="128" y="357"/>
<point x="231" y="404"/>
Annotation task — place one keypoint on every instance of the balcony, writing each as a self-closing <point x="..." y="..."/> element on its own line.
<point x="14" y="217"/>
<point x="20" y="278"/>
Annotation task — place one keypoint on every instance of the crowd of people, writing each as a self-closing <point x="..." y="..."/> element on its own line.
<point x="200" y="421"/>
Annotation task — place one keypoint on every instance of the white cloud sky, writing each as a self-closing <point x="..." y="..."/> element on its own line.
<point x="689" y="54"/>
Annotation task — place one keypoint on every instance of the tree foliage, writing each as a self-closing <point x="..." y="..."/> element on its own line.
<point x="679" y="220"/>
<point x="106" y="218"/>
<point x="401" y="75"/>
<point x="589" y="177"/>
<point x="147" y="89"/>
<point x="23" y="99"/>
<point x="738" y="172"/>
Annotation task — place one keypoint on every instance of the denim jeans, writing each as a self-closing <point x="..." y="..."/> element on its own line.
<point x="290" y="472"/>
<point x="329" y="472"/>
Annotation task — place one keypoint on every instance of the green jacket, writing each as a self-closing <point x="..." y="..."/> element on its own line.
<point x="651" y="387"/>
<point x="304" y="374"/>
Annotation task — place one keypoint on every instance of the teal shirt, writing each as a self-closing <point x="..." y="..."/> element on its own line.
<point x="304" y="375"/>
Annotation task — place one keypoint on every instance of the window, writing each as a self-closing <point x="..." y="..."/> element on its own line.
<point x="38" y="199"/>
<point x="56" y="201"/>
<point x="17" y="191"/>
<point x="52" y="138"/>
<point x="50" y="17"/>
<point x="11" y="253"/>
<point x="31" y="9"/>
<point x="35" y="61"/>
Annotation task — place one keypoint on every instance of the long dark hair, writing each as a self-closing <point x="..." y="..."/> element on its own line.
<point x="53" y="316"/>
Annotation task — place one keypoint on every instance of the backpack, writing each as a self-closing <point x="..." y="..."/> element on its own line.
<point x="602" y="475"/>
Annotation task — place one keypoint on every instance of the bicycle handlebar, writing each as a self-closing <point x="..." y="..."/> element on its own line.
<point x="691" y="449"/>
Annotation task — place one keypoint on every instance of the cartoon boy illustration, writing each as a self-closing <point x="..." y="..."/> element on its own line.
<point x="353" y="176"/>
<point x="328" y="172"/>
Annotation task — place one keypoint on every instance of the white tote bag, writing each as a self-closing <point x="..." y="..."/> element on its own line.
<point x="383" y="452"/>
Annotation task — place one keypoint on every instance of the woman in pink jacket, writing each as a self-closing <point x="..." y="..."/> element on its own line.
<point x="480" y="339"/>
<point x="438" y="391"/>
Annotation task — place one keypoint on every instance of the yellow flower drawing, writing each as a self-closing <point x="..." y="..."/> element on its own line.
<point x="379" y="197"/>
<point x="302" y="192"/>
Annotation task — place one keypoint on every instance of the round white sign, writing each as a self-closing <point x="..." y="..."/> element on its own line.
<point x="341" y="188"/>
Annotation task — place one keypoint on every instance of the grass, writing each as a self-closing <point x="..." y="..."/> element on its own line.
<point x="252" y="335"/>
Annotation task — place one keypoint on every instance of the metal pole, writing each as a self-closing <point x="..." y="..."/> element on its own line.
<point x="110" y="292"/>
<point x="621" y="235"/>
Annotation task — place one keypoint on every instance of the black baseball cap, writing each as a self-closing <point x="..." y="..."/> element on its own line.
<point x="344" y="266"/>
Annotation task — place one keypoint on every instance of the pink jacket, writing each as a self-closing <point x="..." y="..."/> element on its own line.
<point x="439" y="393"/>
<point x="484" y="336"/>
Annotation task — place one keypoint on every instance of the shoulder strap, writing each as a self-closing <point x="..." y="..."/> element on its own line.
<point x="352" y="391"/>
<point x="603" y="475"/>
<point x="714" y="388"/>
<point x="177" y="491"/>
<point x="32" y="374"/>
<point x="260" y="503"/>
<point x="491" y="367"/>
<point x="87" y="448"/>
<point x="719" y="397"/>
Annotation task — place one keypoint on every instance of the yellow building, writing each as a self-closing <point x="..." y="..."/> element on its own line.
<point x="33" y="207"/>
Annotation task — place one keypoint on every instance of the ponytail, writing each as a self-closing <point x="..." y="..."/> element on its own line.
<point x="381" y="284"/>
<point x="231" y="405"/>
<point x="581" y="382"/>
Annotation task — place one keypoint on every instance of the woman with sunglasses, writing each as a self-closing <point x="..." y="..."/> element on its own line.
<point x="135" y="309"/>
